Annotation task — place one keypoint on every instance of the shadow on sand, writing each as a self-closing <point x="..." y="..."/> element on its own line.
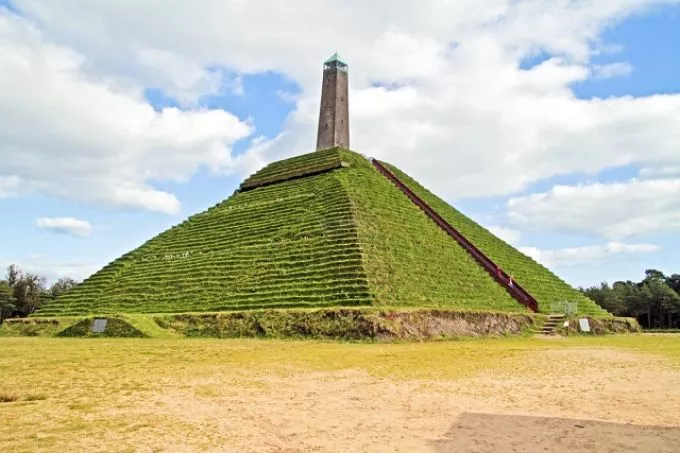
<point x="483" y="433"/>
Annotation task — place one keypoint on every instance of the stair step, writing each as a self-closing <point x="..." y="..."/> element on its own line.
<point x="551" y="322"/>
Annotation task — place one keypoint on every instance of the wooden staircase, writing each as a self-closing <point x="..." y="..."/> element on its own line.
<point x="551" y="323"/>
<point x="511" y="286"/>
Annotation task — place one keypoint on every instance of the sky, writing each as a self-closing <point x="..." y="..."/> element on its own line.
<point x="553" y="123"/>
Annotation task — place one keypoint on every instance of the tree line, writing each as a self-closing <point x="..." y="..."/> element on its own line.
<point x="22" y="293"/>
<point x="654" y="301"/>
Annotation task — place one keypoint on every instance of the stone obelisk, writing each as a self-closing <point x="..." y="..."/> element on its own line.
<point x="334" y="114"/>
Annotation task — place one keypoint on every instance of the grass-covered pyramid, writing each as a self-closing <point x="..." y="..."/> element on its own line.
<point x="319" y="230"/>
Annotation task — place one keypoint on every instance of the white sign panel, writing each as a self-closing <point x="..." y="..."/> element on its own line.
<point x="584" y="325"/>
<point x="99" y="325"/>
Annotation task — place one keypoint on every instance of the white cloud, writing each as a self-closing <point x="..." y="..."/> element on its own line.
<point x="587" y="254"/>
<point x="611" y="70"/>
<point x="177" y="75"/>
<point x="69" y="225"/>
<point x="463" y="117"/>
<point x="53" y="270"/>
<point x="612" y="210"/>
<point x="75" y="134"/>
<point x="660" y="172"/>
<point x="467" y="121"/>
<point x="507" y="234"/>
<point x="9" y="185"/>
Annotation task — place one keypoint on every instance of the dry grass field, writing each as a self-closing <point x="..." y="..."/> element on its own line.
<point x="617" y="393"/>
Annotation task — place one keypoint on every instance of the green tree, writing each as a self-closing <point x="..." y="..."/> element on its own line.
<point x="61" y="286"/>
<point x="603" y="296"/>
<point x="653" y="275"/>
<point x="646" y="303"/>
<point x="22" y="293"/>
<point x="674" y="282"/>
<point x="28" y="291"/>
<point x="661" y="299"/>
<point x="7" y="306"/>
<point x="666" y="300"/>
<point x="628" y="295"/>
<point x="13" y="274"/>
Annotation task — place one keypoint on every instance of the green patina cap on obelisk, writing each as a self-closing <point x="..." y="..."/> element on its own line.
<point x="335" y="58"/>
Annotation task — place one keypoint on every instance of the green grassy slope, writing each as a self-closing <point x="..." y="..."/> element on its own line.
<point x="294" y="167"/>
<point x="337" y="234"/>
<point x="409" y="260"/>
<point x="545" y="286"/>
<point x="292" y="244"/>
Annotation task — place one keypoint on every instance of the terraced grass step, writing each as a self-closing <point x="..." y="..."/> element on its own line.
<point x="285" y="176"/>
<point x="408" y="260"/>
<point x="345" y="237"/>
<point x="302" y="166"/>
<point x="532" y="275"/>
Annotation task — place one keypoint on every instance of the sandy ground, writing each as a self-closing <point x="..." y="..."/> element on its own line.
<point x="603" y="408"/>
<point x="554" y="400"/>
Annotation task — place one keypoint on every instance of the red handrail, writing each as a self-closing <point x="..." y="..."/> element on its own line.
<point x="515" y="290"/>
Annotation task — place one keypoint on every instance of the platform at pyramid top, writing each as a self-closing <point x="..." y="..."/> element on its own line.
<point x="323" y="229"/>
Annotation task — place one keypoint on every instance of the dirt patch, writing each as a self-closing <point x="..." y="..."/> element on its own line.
<point x="350" y="324"/>
<point x="352" y="411"/>
<point x="489" y="433"/>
